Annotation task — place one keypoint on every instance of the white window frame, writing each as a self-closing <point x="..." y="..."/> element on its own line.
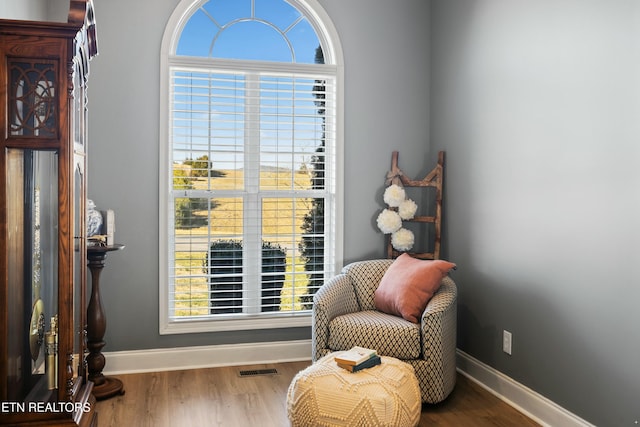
<point x="332" y="51"/>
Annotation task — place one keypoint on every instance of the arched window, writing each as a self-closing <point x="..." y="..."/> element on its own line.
<point x="250" y="184"/>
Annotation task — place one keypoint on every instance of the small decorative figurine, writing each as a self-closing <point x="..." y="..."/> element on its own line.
<point x="94" y="219"/>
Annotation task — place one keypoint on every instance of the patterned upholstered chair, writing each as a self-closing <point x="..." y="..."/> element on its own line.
<point x="344" y="315"/>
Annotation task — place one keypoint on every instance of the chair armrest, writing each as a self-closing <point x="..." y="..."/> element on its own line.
<point x="438" y="322"/>
<point x="334" y="298"/>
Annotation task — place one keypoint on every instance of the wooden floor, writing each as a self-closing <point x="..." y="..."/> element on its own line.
<point x="221" y="397"/>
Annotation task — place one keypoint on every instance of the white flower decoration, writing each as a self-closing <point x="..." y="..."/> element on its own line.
<point x="389" y="221"/>
<point x="394" y="195"/>
<point x="402" y="239"/>
<point x="407" y="209"/>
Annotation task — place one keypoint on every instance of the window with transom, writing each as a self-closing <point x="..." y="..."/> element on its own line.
<point x="249" y="164"/>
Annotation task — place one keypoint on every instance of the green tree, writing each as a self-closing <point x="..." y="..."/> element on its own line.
<point x="186" y="207"/>
<point x="201" y="168"/>
<point x="224" y="266"/>
<point x="312" y="244"/>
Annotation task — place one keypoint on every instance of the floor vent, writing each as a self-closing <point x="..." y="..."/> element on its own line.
<point x="254" y="372"/>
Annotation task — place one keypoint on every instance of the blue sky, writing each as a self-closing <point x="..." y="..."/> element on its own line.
<point x="249" y="29"/>
<point x="209" y="109"/>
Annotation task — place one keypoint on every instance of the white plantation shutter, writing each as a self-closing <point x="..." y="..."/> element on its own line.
<point x="245" y="146"/>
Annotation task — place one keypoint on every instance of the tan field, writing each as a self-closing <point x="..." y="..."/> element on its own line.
<point x="192" y="289"/>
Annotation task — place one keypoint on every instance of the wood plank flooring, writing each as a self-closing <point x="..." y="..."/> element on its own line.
<point x="221" y="397"/>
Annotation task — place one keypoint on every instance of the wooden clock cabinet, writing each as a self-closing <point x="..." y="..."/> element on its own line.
<point x="44" y="68"/>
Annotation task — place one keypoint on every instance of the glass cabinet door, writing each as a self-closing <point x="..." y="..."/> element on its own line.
<point x="32" y="267"/>
<point x="79" y="271"/>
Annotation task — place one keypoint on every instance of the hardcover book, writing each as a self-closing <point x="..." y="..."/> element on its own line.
<point x="355" y="356"/>
<point x="369" y="363"/>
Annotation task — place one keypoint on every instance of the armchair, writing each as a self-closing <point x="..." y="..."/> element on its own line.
<point x="344" y="315"/>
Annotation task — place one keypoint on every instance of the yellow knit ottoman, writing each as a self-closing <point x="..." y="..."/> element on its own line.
<point x="326" y="395"/>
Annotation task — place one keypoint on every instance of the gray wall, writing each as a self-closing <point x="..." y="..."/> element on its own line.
<point x="23" y="9"/>
<point x="386" y="80"/>
<point x="538" y="104"/>
<point x="35" y="10"/>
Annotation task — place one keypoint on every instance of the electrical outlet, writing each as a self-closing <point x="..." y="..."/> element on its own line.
<point x="506" y="342"/>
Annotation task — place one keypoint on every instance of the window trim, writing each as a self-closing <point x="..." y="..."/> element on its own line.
<point x="332" y="50"/>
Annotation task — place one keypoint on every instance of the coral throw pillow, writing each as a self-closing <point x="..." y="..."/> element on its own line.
<point x="408" y="285"/>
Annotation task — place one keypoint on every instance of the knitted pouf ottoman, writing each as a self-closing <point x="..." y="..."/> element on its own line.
<point x="326" y="395"/>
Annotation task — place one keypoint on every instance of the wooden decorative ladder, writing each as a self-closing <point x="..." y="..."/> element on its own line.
<point x="433" y="179"/>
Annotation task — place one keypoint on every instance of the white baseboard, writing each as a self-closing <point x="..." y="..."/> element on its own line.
<point x="174" y="359"/>
<point x="525" y="400"/>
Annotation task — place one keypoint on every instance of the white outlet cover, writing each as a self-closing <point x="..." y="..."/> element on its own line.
<point x="506" y="342"/>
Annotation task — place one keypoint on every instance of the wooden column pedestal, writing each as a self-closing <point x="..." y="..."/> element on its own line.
<point x="104" y="387"/>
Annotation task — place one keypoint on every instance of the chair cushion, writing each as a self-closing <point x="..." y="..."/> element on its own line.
<point x="408" y="285"/>
<point x="389" y="335"/>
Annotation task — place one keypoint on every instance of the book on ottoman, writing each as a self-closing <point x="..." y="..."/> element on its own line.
<point x="355" y="356"/>
<point x="370" y="362"/>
